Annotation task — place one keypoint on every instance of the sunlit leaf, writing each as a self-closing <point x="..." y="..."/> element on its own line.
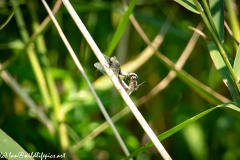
<point x="222" y="69"/>
<point x="10" y="149"/>
<point x="217" y="10"/>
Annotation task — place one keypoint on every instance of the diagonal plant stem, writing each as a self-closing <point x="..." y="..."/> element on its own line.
<point x="115" y="81"/>
<point x="78" y="64"/>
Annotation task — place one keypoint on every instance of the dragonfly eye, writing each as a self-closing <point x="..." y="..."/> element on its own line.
<point x="133" y="77"/>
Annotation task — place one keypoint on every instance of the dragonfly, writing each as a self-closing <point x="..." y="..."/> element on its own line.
<point x="116" y="67"/>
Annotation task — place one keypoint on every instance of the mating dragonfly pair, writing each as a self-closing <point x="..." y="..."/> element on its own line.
<point x="116" y="67"/>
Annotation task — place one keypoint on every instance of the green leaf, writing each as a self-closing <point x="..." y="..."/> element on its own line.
<point x="236" y="66"/>
<point x="217" y="11"/>
<point x="9" y="148"/>
<point x="121" y="27"/>
<point x="188" y="4"/>
<point x="222" y="69"/>
<point x="172" y="131"/>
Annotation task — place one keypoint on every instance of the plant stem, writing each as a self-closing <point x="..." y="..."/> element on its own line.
<point x="209" y="17"/>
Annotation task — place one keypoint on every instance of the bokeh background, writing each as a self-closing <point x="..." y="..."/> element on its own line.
<point x="214" y="136"/>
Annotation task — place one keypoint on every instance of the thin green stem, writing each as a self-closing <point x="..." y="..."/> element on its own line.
<point x="209" y="17"/>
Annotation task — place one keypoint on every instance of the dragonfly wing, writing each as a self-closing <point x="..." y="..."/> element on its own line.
<point x="106" y="57"/>
<point x="100" y="67"/>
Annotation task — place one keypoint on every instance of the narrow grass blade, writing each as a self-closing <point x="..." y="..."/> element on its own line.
<point x="217" y="11"/>
<point x="172" y="131"/>
<point x="121" y="27"/>
<point x="9" y="146"/>
<point x="222" y="69"/>
<point x="188" y="4"/>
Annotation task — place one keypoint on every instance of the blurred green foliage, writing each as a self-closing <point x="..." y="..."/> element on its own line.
<point x="215" y="136"/>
